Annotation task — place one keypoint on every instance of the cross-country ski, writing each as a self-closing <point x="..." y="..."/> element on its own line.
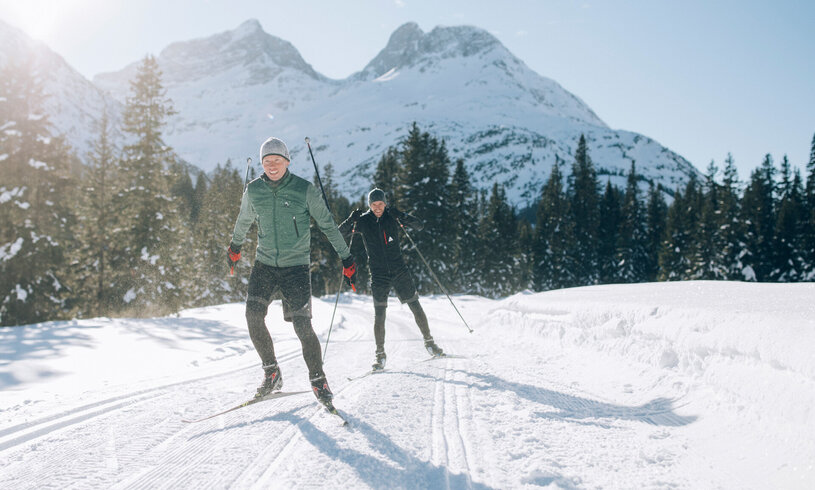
<point x="271" y="396"/>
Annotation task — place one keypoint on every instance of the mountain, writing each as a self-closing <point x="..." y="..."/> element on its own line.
<point x="74" y="104"/>
<point x="234" y="89"/>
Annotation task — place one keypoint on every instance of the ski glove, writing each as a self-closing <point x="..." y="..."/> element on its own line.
<point x="349" y="272"/>
<point x="233" y="255"/>
<point x="355" y="215"/>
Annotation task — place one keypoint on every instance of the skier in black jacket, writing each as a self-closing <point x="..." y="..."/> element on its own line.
<point x="379" y="227"/>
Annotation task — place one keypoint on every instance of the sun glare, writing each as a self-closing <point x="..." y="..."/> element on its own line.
<point x="39" y="18"/>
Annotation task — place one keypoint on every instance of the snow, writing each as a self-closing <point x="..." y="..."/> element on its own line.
<point x="9" y="250"/>
<point x="690" y="385"/>
<point x="21" y="293"/>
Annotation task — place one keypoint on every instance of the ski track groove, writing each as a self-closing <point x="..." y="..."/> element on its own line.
<point x="451" y="425"/>
<point x="200" y="454"/>
<point x="439" y="447"/>
<point x="253" y="471"/>
<point x="97" y="459"/>
<point x="42" y="426"/>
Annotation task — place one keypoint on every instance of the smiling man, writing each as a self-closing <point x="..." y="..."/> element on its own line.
<point x="379" y="227"/>
<point x="281" y="204"/>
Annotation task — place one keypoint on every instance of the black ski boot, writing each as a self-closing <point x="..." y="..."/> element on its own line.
<point x="379" y="365"/>
<point x="272" y="381"/>
<point x="321" y="390"/>
<point x="432" y="349"/>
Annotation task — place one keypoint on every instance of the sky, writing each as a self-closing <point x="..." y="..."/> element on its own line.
<point x="703" y="78"/>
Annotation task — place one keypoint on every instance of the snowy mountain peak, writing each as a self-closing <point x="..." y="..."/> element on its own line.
<point x="409" y="46"/>
<point x="247" y="45"/>
<point x="249" y="28"/>
<point x="247" y="53"/>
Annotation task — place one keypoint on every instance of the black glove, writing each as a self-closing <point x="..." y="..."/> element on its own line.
<point x="233" y="255"/>
<point x="349" y="272"/>
<point x="355" y="215"/>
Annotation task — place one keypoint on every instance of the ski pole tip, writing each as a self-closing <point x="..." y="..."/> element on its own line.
<point x="308" y="140"/>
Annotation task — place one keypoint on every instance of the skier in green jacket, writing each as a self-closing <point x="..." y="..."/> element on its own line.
<point x="281" y="204"/>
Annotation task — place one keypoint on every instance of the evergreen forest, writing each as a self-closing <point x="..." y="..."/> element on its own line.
<point x="131" y="230"/>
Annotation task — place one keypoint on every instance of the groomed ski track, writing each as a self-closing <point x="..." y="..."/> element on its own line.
<point x="529" y="405"/>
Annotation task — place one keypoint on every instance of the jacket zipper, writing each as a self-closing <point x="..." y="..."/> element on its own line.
<point x="296" y="231"/>
<point x="274" y="225"/>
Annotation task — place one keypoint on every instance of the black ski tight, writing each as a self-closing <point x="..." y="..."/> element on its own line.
<point x="379" y="323"/>
<point x="265" y="347"/>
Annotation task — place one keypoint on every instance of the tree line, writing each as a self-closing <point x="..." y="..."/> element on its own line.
<point x="587" y="232"/>
<point x="131" y="230"/>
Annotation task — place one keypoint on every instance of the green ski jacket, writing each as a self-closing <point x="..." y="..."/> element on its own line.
<point x="282" y="211"/>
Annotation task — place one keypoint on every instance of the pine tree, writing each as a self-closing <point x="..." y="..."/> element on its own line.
<point x="387" y="169"/>
<point x="608" y="234"/>
<point x="499" y="235"/>
<point x="759" y="217"/>
<point x="463" y="223"/>
<point x="421" y="190"/>
<point x="808" y="238"/>
<point x="584" y="196"/>
<point x="153" y="244"/>
<point x="631" y="243"/>
<point x="96" y="223"/>
<point x="526" y="236"/>
<point x="552" y="266"/>
<point x="679" y="247"/>
<point x="212" y="234"/>
<point x="198" y="196"/>
<point x="789" y="257"/>
<point x="35" y="218"/>
<point x="655" y="220"/>
<point x="729" y="237"/>
<point x="707" y="263"/>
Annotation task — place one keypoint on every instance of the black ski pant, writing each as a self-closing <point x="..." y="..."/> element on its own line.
<point x="402" y="283"/>
<point x="293" y="284"/>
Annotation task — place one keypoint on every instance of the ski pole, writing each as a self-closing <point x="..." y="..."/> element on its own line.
<point x="246" y="178"/>
<point x="245" y="183"/>
<point x="433" y="274"/>
<point x="317" y="171"/>
<point x="327" y="205"/>
<point x="331" y="325"/>
<point x="320" y="181"/>
<point x="337" y="299"/>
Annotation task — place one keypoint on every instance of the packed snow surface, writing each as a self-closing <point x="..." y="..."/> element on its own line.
<point x="688" y="385"/>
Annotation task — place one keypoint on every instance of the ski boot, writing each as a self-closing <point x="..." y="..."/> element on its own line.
<point x="321" y="390"/>
<point x="379" y="365"/>
<point x="432" y="349"/>
<point x="272" y="380"/>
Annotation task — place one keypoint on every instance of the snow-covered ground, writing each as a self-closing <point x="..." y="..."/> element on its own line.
<point x="689" y="385"/>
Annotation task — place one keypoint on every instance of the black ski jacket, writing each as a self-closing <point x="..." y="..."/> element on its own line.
<point x="381" y="239"/>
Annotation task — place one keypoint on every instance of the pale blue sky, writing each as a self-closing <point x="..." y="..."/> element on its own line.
<point x="701" y="77"/>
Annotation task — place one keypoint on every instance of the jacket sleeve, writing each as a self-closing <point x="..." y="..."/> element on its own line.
<point x="325" y="222"/>
<point x="347" y="227"/>
<point x="245" y="219"/>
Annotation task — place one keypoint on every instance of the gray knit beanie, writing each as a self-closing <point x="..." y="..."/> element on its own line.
<point x="376" y="195"/>
<point x="274" y="146"/>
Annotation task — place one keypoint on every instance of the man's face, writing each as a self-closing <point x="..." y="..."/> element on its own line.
<point x="274" y="166"/>
<point x="378" y="207"/>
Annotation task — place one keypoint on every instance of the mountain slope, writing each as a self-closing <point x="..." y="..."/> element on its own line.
<point x="234" y="89"/>
<point x="74" y="104"/>
<point x="510" y="124"/>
